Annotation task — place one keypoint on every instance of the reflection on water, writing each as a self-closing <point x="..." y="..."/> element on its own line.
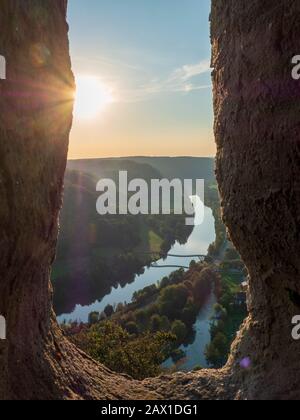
<point x="195" y="352"/>
<point x="198" y="243"/>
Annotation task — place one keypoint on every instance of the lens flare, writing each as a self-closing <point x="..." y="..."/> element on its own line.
<point x="91" y="98"/>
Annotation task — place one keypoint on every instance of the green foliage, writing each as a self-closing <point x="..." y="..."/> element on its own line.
<point x="109" y="311"/>
<point x="172" y="300"/>
<point x="120" y="307"/>
<point x="220" y="312"/>
<point x="128" y="342"/>
<point x="142" y="316"/>
<point x="178" y="355"/>
<point x="203" y="286"/>
<point x="108" y="250"/>
<point x="228" y="320"/>
<point x="165" y="282"/>
<point x="155" y="323"/>
<point x="217" y="350"/>
<point x="132" y="328"/>
<point x="93" y="318"/>
<point x="232" y="254"/>
<point x="189" y="313"/>
<point x="197" y="368"/>
<point x="193" y="264"/>
<point x="179" y="330"/>
<point x="139" y="357"/>
<point x="143" y="295"/>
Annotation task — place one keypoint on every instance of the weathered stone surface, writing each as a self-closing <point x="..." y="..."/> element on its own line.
<point x="258" y="136"/>
<point x="257" y="131"/>
<point x="36" y="103"/>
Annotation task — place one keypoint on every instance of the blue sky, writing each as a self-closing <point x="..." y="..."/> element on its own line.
<point x="154" y="55"/>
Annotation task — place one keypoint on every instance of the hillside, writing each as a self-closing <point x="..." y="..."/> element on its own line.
<point x="109" y="168"/>
<point x="167" y="167"/>
<point x="97" y="253"/>
<point x="182" y="167"/>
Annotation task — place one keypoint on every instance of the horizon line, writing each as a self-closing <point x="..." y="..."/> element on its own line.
<point x="142" y="157"/>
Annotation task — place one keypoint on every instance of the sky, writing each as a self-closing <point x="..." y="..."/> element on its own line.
<point x="152" y="57"/>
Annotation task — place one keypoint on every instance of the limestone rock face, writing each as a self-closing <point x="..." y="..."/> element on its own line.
<point x="257" y="131"/>
<point x="35" y="119"/>
<point x="36" y="102"/>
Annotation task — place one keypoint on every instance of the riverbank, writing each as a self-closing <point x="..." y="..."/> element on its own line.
<point x="198" y="243"/>
<point x="191" y="332"/>
<point x="168" y="309"/>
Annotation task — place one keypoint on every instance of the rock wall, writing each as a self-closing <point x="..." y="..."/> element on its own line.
<point x="35" y="119"/>
<point x="36" y="102"/>
<point x="257" y="132"/>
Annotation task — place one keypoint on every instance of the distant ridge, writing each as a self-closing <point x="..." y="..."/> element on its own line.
<point x="168" y="167"/>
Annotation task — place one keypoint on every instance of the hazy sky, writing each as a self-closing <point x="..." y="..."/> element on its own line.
<point x="153" y="56"/>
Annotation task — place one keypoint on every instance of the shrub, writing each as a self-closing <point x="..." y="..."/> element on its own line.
<point x="140" y="357"/>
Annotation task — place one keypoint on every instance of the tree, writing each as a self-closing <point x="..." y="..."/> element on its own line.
<point x="220" y="311"/>
<point x="155" y="323"/>
<point x="220" y="341"/>
<point x="172" y="300"/>
<point x="193" y="265"/>
<point x="189" y="313"/>
<point x="165" y="282"/>
<point x="139" y="357"/>
<point x="213" y="356"/>
<point x="132" y="328"/>
<point x="203" y="285"/>
<point x="217" y="351"/>
<point x="165" y="324"/>
<point x="120" y="307"/>
<point x="142" y="317"/>
<point x="179" y="330"/>
<point x="109" y="311"/>
<point x="141" y="296"/>
<point x="178" y="355"/>
<point x="177" y="276"/>
<point x="102" y="316"/>
<point x="232" y="254"/>
<point x="93" y="318"/>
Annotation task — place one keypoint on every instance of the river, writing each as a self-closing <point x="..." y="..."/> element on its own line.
<point x="198" y="243"/>
<point x="195" y="352"/>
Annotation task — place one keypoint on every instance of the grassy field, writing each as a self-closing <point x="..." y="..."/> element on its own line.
<point x="155" y="242"/>
<point x="233" y="280"/>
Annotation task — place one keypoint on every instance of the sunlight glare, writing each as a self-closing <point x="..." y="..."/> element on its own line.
<point x="91" y="97"/>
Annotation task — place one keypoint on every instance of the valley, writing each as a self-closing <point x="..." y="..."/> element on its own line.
<point x="98" y="253"/>
<point x="106" y="281"/>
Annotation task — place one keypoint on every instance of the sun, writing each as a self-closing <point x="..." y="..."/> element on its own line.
<point x="91" y="98"/>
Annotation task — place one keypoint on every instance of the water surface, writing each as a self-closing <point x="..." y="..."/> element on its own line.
<point x="198" y="243"/>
